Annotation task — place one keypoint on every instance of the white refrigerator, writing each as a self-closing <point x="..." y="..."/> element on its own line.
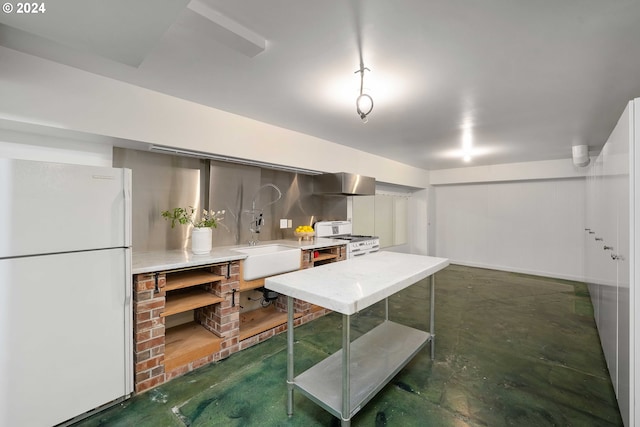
<point x="65" y="290"/>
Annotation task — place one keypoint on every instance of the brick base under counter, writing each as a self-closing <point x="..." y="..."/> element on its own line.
<point x="153" y="366"/>
<point x="148" y="335"/>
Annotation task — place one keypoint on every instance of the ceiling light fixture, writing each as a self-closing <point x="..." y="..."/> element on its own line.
<point x="467" y="141"/>
<point x="364" y="102"/>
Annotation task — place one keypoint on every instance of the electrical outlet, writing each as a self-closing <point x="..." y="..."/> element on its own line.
<point x="283" y="223"/>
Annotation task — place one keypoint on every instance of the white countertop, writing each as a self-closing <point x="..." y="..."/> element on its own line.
<point x="352" y="285"/>
<point x="148" y="262"/>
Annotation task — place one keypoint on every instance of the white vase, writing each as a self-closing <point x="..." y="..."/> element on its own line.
<point x="201" y="238"/>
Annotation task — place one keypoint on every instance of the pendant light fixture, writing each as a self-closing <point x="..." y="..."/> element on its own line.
<point x="364" y="102"/>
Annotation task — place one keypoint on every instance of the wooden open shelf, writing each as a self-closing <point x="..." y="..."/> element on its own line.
<point x="185" y="279"/>
<point x="260" y="320"/>
<point x="186" y="343"/>
<point x="314" y="308"/>
<point x="324" y="257"/>
<point x="194" y="298"/>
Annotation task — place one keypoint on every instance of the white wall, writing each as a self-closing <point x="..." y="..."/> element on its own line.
<point x="528" y="226"/>
<point x="40" y="92"/>
<point x="546" y="169"/>
<point x="29" y="146"/>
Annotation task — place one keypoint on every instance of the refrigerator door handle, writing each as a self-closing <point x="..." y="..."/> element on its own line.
<point x="128" y="332"/>
<point x="127" y="183"/>
<point x="128" y="277"/>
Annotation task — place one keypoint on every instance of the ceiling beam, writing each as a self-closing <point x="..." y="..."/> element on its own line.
<point x="233" y="34"/>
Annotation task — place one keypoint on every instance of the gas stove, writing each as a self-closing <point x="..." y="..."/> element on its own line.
<point x="358" y="245"/>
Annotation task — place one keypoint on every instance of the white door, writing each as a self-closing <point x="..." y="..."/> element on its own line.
<point x="65" y="335"/>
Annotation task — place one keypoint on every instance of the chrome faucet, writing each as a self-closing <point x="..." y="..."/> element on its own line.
<point x="257" y="215"/>
<point x="254" y="227"/>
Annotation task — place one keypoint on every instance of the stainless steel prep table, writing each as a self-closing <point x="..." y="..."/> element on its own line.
<point x="345" y="381"/>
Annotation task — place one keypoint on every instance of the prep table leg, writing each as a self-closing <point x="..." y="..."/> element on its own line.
<point x="346" y="357"/>
<point x="290" y="356"/>
<point x="432" y="316"/>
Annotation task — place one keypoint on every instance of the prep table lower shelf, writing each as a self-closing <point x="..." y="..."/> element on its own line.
<point x="376" y="357"/>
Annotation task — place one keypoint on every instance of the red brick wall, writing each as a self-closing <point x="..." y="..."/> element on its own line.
<point x="148" y="338"/>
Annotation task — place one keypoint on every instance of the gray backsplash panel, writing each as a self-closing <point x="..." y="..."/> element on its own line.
<point x="162" y="182"/>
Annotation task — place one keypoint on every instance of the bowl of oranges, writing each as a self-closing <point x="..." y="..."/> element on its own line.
<point x="304" y="232"/>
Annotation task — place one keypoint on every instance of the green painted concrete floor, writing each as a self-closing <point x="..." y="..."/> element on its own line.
<point x="511" y="350"/>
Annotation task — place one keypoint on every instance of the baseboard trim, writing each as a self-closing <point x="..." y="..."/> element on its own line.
<point x="519" y="270"/>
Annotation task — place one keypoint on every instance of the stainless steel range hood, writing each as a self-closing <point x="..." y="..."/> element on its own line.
<point x="347" y="184"/>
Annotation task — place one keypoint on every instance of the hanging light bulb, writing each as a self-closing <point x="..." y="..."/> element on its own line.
<point x="364" y="102"/>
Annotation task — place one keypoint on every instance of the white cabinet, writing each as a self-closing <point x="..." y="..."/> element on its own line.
<point x="609" y="265"/>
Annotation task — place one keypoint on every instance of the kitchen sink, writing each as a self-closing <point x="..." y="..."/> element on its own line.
<point x="268" y="260"/>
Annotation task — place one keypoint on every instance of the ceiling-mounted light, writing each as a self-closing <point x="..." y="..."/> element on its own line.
<point x="364" y="102"/>
<point x="467" y="141"/>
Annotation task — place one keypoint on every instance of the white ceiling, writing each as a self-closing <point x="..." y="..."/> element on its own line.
<point x="526" y="79"/>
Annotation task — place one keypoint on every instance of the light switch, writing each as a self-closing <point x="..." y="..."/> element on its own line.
<point x="289" y="223"/>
